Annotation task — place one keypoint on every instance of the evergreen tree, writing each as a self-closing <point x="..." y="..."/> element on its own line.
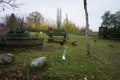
<point x="12" y="23"/>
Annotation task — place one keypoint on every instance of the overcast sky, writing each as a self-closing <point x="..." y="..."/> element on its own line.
<point x="73" y="8"/>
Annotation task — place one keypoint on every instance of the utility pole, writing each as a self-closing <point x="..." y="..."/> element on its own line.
<point x="87" y="27"/>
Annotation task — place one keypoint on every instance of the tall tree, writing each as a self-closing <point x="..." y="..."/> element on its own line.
<point x="36" y="19"/>
<point x="36" y="16"/>
<point x="69" y="25"/>
<point x="59" y="11"/>
<point x="87" y="27"/>
<point x="106" y="19"/>
<point x="110" y="27"/>
<point x="45" y="26"/>
<point x="12" y="23"/>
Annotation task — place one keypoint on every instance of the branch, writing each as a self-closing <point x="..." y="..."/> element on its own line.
<point x="85" y="4"/>
<point x="10" y="3"/>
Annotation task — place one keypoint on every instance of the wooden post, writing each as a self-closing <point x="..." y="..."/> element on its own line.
<point x="21" y="25"/>
<point x="87" y="27"/>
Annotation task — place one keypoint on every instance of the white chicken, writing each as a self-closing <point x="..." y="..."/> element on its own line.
<point x="63" y="56"/>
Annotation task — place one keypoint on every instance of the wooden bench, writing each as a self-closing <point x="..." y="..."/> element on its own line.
<point x="23" y="41"/>
<point x="56" y="35"/>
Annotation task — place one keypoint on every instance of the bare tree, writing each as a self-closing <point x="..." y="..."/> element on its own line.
<point x="35" y="17"/>
<point x="8" y="3"/>
<point x="87" y="27"/>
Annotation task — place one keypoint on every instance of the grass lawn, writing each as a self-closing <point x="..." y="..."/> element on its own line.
<point x="102" y="64"/>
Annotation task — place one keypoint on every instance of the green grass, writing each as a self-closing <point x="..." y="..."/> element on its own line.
<point x="100" y="65"/>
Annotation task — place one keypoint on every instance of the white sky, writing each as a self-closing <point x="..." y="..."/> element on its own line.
<point x="73" y="8"/>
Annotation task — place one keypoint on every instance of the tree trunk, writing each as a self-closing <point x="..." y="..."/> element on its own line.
<point x="87" y="27"/>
